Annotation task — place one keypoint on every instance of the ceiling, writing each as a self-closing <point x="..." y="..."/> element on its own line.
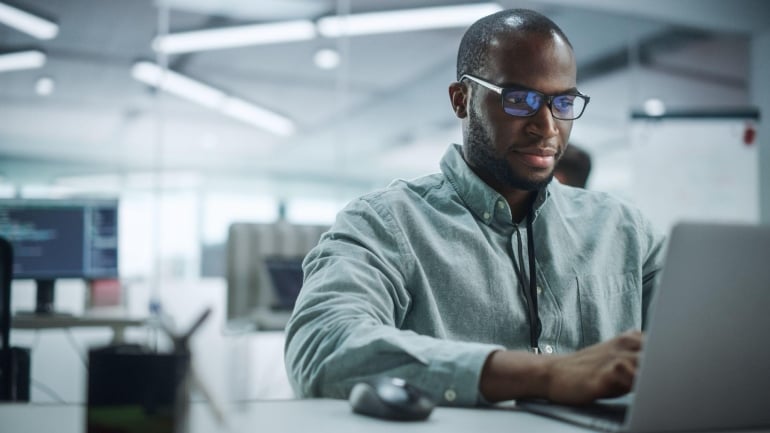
<point x="383" y="113"/>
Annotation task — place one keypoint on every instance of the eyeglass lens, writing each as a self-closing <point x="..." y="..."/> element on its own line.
<point x="527" y="102"/>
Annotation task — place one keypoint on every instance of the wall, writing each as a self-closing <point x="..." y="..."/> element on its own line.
<point x="760" y="94"/>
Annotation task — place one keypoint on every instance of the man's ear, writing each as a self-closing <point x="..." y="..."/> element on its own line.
<point x="458" y="95"/>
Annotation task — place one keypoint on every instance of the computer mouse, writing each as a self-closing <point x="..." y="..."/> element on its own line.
<point x="390" y="398"/>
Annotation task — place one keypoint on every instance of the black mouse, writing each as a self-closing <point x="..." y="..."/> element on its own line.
<point x="390" y="398"/>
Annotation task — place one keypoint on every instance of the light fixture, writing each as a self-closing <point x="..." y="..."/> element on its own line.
<point x="404" y="20"/>
<point x="209" y="97"/>
<point x="327" y="58"/>
<point x="44" y="86"/>
<point x="231" y="37"/>
<point x="257" y="116"/>
<point x="22" y="60"/>
<point x="654" y="107"/>
<point x="178" y="84"/>
<point x="23" y="21"/>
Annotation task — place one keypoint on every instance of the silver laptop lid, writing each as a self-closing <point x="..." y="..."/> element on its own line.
<point x="706" y="361"/>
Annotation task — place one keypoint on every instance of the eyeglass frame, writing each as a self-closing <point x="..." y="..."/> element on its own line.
<point x="548" y="99"/>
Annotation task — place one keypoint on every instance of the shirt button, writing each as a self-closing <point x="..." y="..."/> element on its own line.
<point x="500" y="204"/>
<point x="548" y="348"/>
<point x="486" y="215"/>
<point x="450" y="395"/>
<point x="539" y="290"/>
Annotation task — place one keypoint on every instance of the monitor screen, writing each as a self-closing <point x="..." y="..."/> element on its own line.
<point x="286" y="276"/>
<point x="61" y="238"/>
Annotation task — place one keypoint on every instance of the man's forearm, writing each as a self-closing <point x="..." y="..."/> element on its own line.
<point x="603" y="370"/>
<point x="509" y="375"/>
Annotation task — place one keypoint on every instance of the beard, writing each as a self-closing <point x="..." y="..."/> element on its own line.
<point x="481" y="155"/>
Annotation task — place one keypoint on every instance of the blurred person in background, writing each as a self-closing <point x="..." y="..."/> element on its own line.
<point x="574" y="167"/>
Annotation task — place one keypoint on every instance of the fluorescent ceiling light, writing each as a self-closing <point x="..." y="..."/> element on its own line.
<point x="27" y="23"/>
<point x="327" y="58"/>
<point x="654" y="107"/>
<point x="235" y="37"/>
<point x="22" y="60"/>
<point x="178" y="84"/>
<point x="404" y="20"/>
<point x="209" y="97"/>
<point x="44" y="86"/>
<point x="257" y="116"/>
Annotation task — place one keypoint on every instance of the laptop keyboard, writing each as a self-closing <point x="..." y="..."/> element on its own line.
<point x="600" y="416"/>
<point x="610" y="412"/>
<point x="607" y="417"/>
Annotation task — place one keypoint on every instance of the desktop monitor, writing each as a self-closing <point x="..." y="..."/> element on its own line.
<point x="264" y="271"/>
<point x="55" y="239"/>
<point x="286" y="277"/>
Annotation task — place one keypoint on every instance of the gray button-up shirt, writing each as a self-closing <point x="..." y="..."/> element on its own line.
<point x="418" y="280"/>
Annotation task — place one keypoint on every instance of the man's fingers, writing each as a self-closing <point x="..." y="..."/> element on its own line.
<point x="625" y="367"/>
<point x="604" y="370"/>
<point x="620" y="377"/>
<point x="631" y="340"/>
<point x="628" y="371"/>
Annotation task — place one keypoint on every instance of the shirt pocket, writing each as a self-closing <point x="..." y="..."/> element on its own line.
<point x="609" y="305"/>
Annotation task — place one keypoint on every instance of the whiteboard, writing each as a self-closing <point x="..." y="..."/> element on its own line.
<point x="694" y="169"/>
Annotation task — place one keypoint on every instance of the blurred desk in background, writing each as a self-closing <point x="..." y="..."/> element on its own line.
<point x="118" y="323"/>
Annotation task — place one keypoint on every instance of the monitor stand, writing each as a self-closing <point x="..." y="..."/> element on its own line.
<point x="44" y="300"/>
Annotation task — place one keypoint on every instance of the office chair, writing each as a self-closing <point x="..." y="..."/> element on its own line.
<point x="14" y="361"/>
<point x="6" y="262"/>
<point x="255" y="252"/>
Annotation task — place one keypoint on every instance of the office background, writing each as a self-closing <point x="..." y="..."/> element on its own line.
<point x="350" y="114"/>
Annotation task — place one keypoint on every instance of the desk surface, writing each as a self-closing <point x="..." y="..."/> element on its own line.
<point x="34" y="321"/>
<point x="296" y="416"/>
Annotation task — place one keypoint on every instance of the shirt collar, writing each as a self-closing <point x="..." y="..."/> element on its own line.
<point x="486" y="203"/>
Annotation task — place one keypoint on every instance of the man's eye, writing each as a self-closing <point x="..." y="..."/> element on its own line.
<point x="564" y="102"/>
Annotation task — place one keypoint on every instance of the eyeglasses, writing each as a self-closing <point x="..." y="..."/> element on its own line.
<point x="523" y="102"/>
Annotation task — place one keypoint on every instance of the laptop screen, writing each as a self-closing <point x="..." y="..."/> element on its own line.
<point x="286" y="278"/>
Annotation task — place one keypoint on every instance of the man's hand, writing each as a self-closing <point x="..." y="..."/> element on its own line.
<point x="603" y="370"/>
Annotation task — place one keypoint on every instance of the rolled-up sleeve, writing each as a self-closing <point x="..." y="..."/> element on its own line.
<point x="348" y="319"/>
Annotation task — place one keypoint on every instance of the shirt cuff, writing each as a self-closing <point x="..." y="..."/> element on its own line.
<point x="463" y="377"/>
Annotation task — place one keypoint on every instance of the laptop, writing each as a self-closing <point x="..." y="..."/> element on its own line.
<point x="706" y="360"/>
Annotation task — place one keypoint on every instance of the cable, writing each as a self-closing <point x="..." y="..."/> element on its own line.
<point x="76" y="347"/>
<point x="47" y="390"/>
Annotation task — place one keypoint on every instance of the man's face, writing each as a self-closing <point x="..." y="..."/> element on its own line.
<point x="519" y="153"/>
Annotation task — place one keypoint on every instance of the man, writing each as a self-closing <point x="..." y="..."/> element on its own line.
<point x="458" y="281"/>
<point x="573" y="167"/>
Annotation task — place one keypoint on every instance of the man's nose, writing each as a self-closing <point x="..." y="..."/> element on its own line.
<point x="542" y="123"/>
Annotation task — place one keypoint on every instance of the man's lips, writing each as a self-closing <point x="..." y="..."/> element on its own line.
<point x="537" y="157"/>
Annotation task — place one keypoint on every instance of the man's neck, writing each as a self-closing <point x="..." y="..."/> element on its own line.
<point x="520" y="203"/>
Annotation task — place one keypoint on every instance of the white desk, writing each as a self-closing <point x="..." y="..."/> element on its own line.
<point x="300" y="416"/>
<point x="297" y="416"/>
<point x="118" y="323"/>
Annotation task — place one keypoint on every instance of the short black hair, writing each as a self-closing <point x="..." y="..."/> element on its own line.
<point x="472" y="54"/>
